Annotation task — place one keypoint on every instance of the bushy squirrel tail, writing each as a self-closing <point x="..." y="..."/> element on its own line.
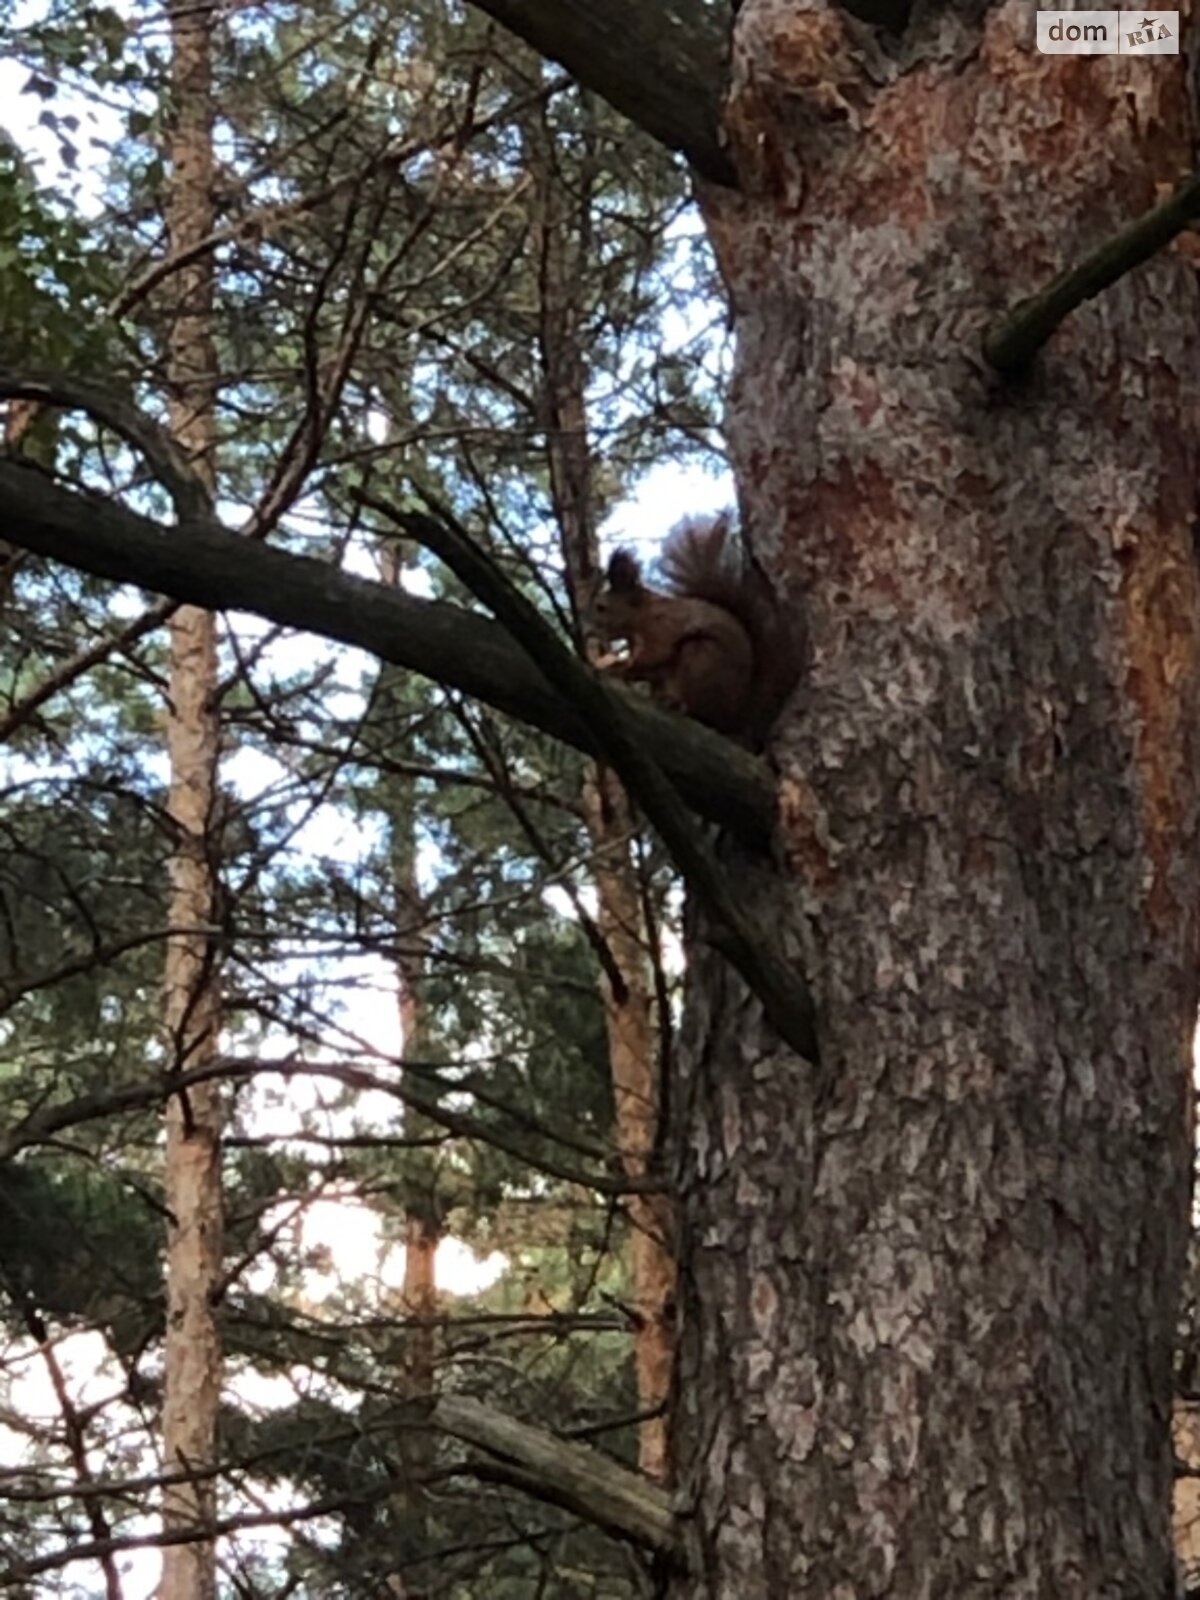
<point x="705" y="559"/>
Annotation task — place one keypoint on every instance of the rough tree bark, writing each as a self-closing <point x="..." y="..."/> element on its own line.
<point x="928" y="1290"/>
<point x="192" y="1380"/>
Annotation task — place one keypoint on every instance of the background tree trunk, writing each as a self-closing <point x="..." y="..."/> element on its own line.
<point x="422" y="1207"/>
<point x="627" y="986"/>
<point x="929" y="1290"/>
<point x="193" y="1158"/>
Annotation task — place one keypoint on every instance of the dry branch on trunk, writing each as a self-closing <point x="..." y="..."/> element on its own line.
<point x="566" y="1473"/>
<point x="206" y="565"/>
<point x="1013" y="343"/>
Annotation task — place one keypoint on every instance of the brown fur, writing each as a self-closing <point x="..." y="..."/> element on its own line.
<point x="715" y="645"/>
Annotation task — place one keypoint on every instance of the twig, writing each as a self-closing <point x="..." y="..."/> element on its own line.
<point x="559" y="1471"/>
<point x="74" y="667"/>
<point x="265" y="221"/>
<point x="87" y="960"/>
<point x="42" y="1125"/>
<point x="1012" y="344"/>
<point x="76" y="1439"/>
<point x="166" y="460"/>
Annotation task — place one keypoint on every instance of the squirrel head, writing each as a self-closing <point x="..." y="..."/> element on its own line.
<point x="624" y="572"/>
<point x="621" y="599"/>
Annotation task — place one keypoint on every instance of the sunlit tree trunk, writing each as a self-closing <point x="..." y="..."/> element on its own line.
<point x="422" y="1234"/>
<point x="633" y="1054"/>
<point x="929" y="1287"/>
<point x="422" y="1216"/>
<point x="563" y="238"/>
<point x="193" y="1172"/>
<point x="422" y="1222"/>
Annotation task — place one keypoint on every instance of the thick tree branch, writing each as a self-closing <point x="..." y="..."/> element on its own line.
<point x="205" y="565"/>
<point x="750" y="949"/>
<point x="1012" y="344"/>
<point x="566" y="1474"/>
<point x="661" y="63"/>
<point x="559" y="1471"/>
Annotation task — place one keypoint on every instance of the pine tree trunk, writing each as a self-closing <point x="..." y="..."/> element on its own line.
<point x="634" y="1062"/>
<point x="422" y="1235"/>
<point x="928" y="1289"/>
<point x="627" y="988"/>
<point x="422" y="1218"/>
<point x="192" y="1382"/>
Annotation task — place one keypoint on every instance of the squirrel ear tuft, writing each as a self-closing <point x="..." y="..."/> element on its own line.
<point x="624" y="570"/>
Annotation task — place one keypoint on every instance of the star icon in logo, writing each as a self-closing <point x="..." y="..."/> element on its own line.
<point x="1147" y="22"/>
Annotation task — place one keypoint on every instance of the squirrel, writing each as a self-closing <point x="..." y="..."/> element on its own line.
<point x="716" y="644"/>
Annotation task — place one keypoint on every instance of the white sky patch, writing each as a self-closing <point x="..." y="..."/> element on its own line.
<point x="329" y="831"/>
<point x="40" y="144"/>
<point x="260" y="1392"/>
<point x="346" y="1243"/>
<point x="87" y="1369"/>
<point x="561" y="903"/>
<point x="252" y="772"/>
<point x="666" y="493"/>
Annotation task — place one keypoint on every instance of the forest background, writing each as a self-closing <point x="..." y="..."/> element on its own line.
<point x="432" y="244"/>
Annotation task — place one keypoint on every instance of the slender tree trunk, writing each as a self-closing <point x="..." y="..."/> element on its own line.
<point x="633" y="1038"/>
<point x="193" y="1171"/>
<point x="422" y="1216"/>
<point x="634" y="1058"/>
<point x="422" y="1225"/>
<point x="928" y="1288"/>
